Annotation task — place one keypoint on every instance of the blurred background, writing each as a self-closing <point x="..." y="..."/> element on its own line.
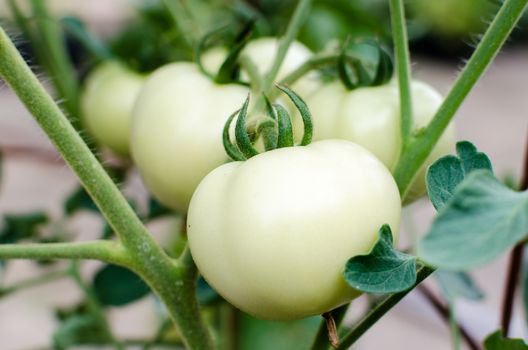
<point x="35" y="182"/>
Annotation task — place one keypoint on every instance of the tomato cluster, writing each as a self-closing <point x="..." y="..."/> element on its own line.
<point x="271" y="234"/>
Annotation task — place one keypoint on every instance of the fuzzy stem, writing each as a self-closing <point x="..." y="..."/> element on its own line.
<point x="294" y="26"/>
<point x="173" y="283"/>
<point x="110" y="252"/>
<point x="399" y="32"/>
<point x="416" y="151"/>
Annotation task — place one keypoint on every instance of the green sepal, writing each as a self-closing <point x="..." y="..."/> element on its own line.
<point x="242" y="138"/>
<point x="284" y="124"/>
<point x="304" y="111"/>
<point x="267" y="129"/>
<point x="229" y="69"/>
<point x="202" y="46"/>
<point x="384" y="68"/>
<point x="358" y="71"/>
<point x="232" y="151"/>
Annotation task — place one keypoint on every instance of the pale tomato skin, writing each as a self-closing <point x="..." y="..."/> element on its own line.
<point x="176" y="133"/>
<point x="370" y="116"/>
<point x="272" y="234"/>
<point x="107" y="101"/>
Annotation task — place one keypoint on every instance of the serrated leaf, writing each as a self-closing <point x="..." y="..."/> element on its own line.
<point x="480" y="221"/>
<point x="117" y="286"/>
<point x="17" y="227"/>
<point x="458" y="284"/>
<point x="496" y="341"/>
<point x="449" y="171"/>
<point x="383" y="270"/>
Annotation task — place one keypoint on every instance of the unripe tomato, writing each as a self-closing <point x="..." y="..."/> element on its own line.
<point x="272" y="234"/>
<point x="107" y="101"/>
<point x="370" y="117"/>
<point x="176" y="133"/>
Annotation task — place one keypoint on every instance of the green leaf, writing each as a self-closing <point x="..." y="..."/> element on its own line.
<point x="449" y="171"/>
<point x="17" y="227"/>
<point x="79" y="330"/>
<point x="496" y="341"/>
<point x="480" y="221"/>
<point x="383" y="270"/>
<point x="458" y="284"/>
<point x="117" y="286"/>
<point x="205" y="293"/>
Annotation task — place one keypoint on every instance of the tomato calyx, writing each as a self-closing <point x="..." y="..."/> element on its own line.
<point x="355" y="72"/>
<point x="276" y="130"/>
<point x="229" y="70"/>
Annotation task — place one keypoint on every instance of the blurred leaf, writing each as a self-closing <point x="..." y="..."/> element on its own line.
<point x="79" y="200"/>
<point x="79" y="330"/>
<point x="496" y="341"/>
<point x="524" y="282"/>
<point x="445" y="174"/>
<point x="258" y="334"/>
<point x="383" y="270"/>
<point x="480" y="221"/>
<point x="17" y="227"/>
<point x="458" y="284"/>
<point x="156" y="209"/>
<point x="117" y="286"/>
<point x="206" y="295"/>
<point x="77" y="29"/>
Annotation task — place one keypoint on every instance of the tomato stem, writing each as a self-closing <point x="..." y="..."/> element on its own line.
<point x="173" y="283"/>
<point x="418" y="148"/>
<point x="403" y="63"/>
<point x="294" y="26"/>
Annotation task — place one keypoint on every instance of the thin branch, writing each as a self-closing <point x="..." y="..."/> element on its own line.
<point x="514" y="268"/>
<point x="399" y="33"/>
<point x="421" y="146"/>
<point x="380" y="310"/>
<point x="321" y="340"/>
<point x="443" y="311"/>
<point x="106" y="251"/>
<point x="35" y="281"/>
<point x="294" y="26"/>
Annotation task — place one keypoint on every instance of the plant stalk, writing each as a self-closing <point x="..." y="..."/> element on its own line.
<point x="294" y="26"/>
<point x="403" y="64"/>
<point x="174" y="284"/>
<point x="416" y="151"/>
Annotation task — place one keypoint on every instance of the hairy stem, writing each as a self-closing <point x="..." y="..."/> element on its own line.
<point x="110" y="252"/>
<point x="380" y="310"/>
<point x="403" y="64"/>
<point x="60" y="67"/>
<point x="514" y="268"/>
<point x="294" y="26"/>
<point x="173" y="283"/>
<point x="417" y="150"/>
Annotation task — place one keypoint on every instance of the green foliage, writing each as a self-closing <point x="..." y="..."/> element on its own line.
<point x="458" y="284"/>
<point x="258" y="334"/>
<point x="79" y="200"/>
<point x="524" y="283"/>
<point x="383" y="270"/>
<point x="205" y="294"/>
<point x="24" y="226"/>
<point x="79" y="330"/>
<point x="496" y="341"/>
<point x="118" y="286"/>
<point x="480" y="221"/>
<point x="446" y="173"/>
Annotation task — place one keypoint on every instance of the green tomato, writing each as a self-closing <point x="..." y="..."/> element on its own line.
<point x="176" y="132"/>
<point x="272" y="234"/>
<point x="107" y="101"/>
<point x="370" y="117"/>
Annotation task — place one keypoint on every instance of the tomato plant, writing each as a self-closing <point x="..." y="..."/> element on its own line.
<point x="285" y="231"/>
